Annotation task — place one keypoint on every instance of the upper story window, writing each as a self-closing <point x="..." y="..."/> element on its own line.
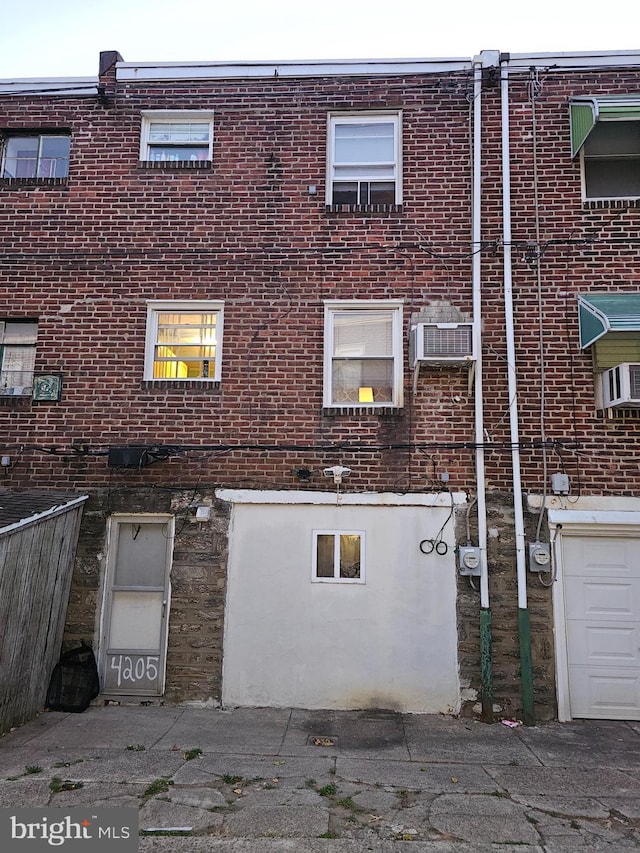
<point x="184" y="341"/>
<point x="177" y="137"/>
<point x="363" y="354"/>
<point x="35" y="155"/>
<point x="605" y="130"/>
<point x="17" y="356"/>
<point x="364" y="159"/>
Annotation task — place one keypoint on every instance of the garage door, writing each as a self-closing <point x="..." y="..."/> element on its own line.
<point x="337" y="607"/>
<point x="601" y="576"/>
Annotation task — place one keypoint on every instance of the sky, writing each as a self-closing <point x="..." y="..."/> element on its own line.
<point x="63" y="38"/>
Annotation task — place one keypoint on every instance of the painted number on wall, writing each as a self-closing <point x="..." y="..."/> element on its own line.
<point x="132" y="668"/>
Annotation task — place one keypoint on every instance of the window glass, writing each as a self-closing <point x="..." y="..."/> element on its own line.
<point x="177" y="137"/>
<point x="611" y="157"/>
<point x="17" y="356"/>
<point x="36" y="157"/>
<point x="184" y="343"/>
<point x="338" y="556"/>
<point x="363" y="160"/>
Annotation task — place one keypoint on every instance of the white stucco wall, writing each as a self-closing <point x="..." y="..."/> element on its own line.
<point x="388" y="643"/>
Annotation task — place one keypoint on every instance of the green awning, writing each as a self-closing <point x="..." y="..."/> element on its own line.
<point x="599" y="313"/>
<point x="587" y="110"/>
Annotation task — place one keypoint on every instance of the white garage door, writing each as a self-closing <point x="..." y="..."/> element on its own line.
<point x="337" y="607"/>
<point x="601" y="576"/>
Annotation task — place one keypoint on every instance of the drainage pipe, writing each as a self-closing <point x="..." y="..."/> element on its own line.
<point x="524" y="626"/>
<point x="486" y="667"/>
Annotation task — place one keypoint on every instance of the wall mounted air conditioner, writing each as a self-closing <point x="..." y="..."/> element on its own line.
<point x="621" y="386"/>
<point x="441" y="343"/>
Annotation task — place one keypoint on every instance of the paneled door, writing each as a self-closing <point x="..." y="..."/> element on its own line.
<point x="135" y="618"/>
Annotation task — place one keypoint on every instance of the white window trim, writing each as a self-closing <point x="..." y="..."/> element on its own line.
<point x="337" y="534"/>
<point x="149" y="116"/>
<point x="154" y="307"/>
<point x="359" y="118"/>
<point x="339" y="306"/>
<point x="583" y="177"/>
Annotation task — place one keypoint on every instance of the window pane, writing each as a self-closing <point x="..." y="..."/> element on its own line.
<point x="185" y="346"/>
<point x="364" y="143"/>
<point x="382" y="193"/>
<point x="19" y="333"/>
<point x="612" y="178"/>
<point x="349" y="555"/>
<point x="325" y="546"/>
<point x="179" y="131"/>
<point x="352" y="376"/>
<point x="609" y="138"/>
<point x="178" y="153"/>
<point x="21" y="157"/>
<point x="363" y="333"/>
<point x="16" y="368"/>
<point x="54" y="157"/>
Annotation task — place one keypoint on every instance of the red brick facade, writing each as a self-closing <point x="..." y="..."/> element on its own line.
<point x="84" y="255"/>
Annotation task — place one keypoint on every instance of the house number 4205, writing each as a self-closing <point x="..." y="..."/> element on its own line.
<point x="135" y="668"/>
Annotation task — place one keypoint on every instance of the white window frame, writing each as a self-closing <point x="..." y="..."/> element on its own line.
<point x="150" y="116"/>
<point x="377" y="117"/>
<point x="335" y="307"/>
<point x="336" y="554"/>
<point x="583" y="157"/>
<point x="156" y="307"/>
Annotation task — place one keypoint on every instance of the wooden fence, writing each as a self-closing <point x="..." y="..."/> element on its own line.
<point x="36" y="564"/>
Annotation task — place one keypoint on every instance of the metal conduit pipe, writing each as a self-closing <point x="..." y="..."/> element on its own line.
<point x="524" y="627"/>
<point x="486" y="666"/>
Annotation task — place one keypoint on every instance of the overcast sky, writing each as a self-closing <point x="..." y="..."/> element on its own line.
<point x="58" y="38"/>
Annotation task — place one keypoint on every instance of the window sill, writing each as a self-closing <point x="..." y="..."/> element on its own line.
<point x="18" y="183"/>
<point x="364" y="209"/>
<point x="333" y="411"/>
<point x="180" y="385"/>
<point x="173" y="165"/>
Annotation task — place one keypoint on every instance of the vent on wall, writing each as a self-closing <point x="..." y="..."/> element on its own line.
<point x="441" y="343"/>
<point x="621" y="386"/>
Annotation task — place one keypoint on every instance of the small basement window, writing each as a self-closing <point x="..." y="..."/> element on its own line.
<point x="338" y="556"/>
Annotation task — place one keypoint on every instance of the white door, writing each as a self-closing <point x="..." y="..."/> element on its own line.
<point x="601" y="578"/>
<point x="136" y="609"/>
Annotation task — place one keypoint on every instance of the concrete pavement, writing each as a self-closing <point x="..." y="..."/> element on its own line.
<point x="276" y="780"/>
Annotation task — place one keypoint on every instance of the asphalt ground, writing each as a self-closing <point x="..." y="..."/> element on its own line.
<point x="271" y="780"/>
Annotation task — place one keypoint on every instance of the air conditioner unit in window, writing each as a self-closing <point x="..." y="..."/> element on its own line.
<point x="441" y="343"/>
<point x="621" y="386"/>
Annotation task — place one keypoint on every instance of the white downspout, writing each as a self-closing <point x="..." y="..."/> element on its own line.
<point x="486" y="666"/>
<point x="521" y="566"/>
<point x="476" y="270"/>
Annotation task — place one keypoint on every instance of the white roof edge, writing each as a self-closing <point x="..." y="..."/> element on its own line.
<point x="132" y="71"/>
<point x="50" y="86"/>
<point x="297" y="496"/>
<point x="38" y="516"/>
<point x="575" y="59"/>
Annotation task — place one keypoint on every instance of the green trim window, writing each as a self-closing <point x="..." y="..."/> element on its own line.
<point x="17" y="357"/>
<point x="605" y="132"/>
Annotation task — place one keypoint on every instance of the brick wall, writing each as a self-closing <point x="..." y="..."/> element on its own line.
<point x="84" y="258"/>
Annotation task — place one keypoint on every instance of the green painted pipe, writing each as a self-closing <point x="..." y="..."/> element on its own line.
<point x="526" y="669"/>
<point x="486" y="667"/>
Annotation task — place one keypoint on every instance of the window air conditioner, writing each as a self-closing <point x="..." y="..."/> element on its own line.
<point x="621" y="386"/>
<point x="441" y="343"/>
